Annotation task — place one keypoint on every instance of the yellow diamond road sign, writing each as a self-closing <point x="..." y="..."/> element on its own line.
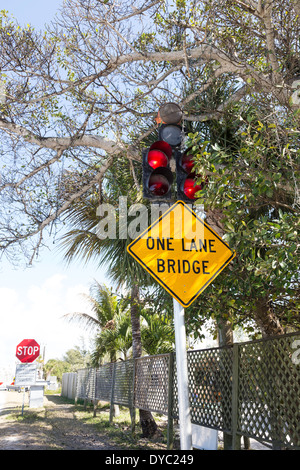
<point x="181" y="252"/>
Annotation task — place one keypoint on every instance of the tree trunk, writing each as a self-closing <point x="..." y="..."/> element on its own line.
<point x="147" y="422"/>
<point x="135" y="323"/>
<point x="225" y="332"/>
<point x="266" y="318"/>
<point x="116" y="408"/>
<point x="225" y="335"/>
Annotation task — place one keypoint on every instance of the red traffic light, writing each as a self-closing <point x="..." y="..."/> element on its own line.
<point x="187" y="185"/>
<point x="187" y="163"/>
<point x="158" y="185"/>
<point x="159" y="154"/>
<point x="190" y="188"/>
<point x="156" y="158"/>
<point x="160" y="182"/>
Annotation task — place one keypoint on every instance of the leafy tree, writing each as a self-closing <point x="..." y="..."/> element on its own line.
<point x="81" y="97"/>
<point x="254" y="191"/>
<point x="57" y="367"/>
<point x="77" y="358"/>
<point x="116" y="337"/>
<point x="77" y="97"/>
<point x="157" y="333"/>
<point x="73" y="360"/>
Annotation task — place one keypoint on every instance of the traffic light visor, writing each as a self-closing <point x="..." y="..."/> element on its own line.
<point x="163" y="147"/>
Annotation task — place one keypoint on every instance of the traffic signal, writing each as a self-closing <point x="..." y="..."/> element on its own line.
<point x="169" y="117"/>
<point x="171" y="133"/>
<point x="186" y="177"/>
<point x="157" y="174"/>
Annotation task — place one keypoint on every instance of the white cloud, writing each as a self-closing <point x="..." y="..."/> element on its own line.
<point x="48" y="290"/>
<point x="36" y="312"/>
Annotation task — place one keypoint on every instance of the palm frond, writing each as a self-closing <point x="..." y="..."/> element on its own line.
<point x="84" y="319"/>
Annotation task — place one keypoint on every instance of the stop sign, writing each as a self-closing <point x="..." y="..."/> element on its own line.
<point x="28" y="350"/>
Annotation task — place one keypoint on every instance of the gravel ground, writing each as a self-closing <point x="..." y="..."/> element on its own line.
<point x="52" y="428"/>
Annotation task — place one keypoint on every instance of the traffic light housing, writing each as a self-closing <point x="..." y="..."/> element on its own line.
<point x="157" y="174"/>
<point x="157" y="161"/>
<point x="186" y="178"/>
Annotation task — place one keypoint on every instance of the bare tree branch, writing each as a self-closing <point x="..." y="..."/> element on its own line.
<point x="88" y="89"/>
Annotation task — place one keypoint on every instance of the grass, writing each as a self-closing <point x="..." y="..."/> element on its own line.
<point x="29" y="416"/>
<point x="120" y="430"/>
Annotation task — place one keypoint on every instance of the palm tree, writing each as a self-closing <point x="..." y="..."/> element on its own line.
<point x="157" y="333"/>
<point x="114" y="338"/>
<point x="82" y="242"/>
<point x="109" y="321"/>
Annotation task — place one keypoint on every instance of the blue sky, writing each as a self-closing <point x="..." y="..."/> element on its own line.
<point x="34" y="12"/>
<point x="33" y="300"/>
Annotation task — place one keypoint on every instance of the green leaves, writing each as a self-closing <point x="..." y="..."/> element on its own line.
<point x="253" y="183"/>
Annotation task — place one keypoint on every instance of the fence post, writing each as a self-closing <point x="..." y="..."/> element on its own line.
<point x="132" y="407"/>
<point x="96" y="401"/>
<point x="111" y="411"/>
<point x="77" y="387"/>
<point x="236" y="440"/>
<point x="170" y="431"/>
<point x="87" y="387"/>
